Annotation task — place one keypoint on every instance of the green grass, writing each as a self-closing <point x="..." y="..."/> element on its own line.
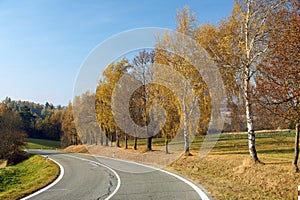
<point x="274" y="145"/>
<point x="271" y="143"/>
<point x="26" y="177"/>
<point x="33" y="143"/>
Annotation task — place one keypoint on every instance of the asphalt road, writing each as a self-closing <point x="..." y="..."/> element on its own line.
<point x="89" y="177"/>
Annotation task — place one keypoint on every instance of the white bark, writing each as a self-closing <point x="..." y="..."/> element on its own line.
<point x="247" y="92"/>
<point x="185" y="131"/>
<point x="249" y="118"/>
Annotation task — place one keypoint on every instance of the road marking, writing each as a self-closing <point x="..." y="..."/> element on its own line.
<point x="202" y="194"/>
<point x="62" y="189"/>
<point x="62" y="171"/>
<point x="105" y="166"/>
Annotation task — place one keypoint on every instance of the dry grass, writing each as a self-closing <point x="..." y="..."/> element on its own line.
<point x="236" y="177"/>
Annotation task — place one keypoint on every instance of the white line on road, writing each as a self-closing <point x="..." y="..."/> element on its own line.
<point x="202" y="194"/>
<point x="97" y="163"/>
<point x="62" y="171"/>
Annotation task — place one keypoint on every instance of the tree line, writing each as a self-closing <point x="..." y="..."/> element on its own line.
<point x="22" y="119"/>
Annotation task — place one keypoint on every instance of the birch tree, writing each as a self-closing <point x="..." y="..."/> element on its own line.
<point x="192" y="87"/>
<point x="239" y="48"/>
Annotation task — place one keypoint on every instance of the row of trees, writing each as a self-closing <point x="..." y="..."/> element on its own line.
<point x="38" y="121"/>
<point x="256" y="49"/>
<point x="22" y="119"/>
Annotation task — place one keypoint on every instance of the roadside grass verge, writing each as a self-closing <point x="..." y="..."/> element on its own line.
<point x="33" y="143"/>
<point x="26" y="177"/>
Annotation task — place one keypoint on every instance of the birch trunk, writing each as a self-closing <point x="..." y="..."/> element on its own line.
<point x="247" y="92"/>
<point x="167" y="144"/>
<point x="185" y="131"/>
<point x="249" y="118"/>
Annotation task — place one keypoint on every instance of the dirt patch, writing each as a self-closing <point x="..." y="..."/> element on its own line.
<point x="3" y="163"/>
<point x="76" y="149"/>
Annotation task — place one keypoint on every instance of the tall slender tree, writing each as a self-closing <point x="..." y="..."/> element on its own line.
<point x="239" y="45"/>
<point x="191" y="85"/>
<point x="141" y="69"/>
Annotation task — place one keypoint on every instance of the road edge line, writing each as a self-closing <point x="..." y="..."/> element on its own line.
<point x="200" y="192"/>
<point x="107" y="167"/>
<point x="61" y="174"/>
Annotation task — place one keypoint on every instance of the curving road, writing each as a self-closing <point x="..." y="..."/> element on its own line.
<point x="86" y="177"/>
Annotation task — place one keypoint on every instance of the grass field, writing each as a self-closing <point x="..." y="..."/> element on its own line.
<point x="26" y="177"/>
<point x="33" y="143"/>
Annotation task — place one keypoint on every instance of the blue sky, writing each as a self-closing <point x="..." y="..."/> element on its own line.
<point x="44" y="42"/>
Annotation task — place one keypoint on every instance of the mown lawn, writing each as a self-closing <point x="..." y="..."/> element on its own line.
<point x="33" y="143"/>
<point x="26" y="177"/>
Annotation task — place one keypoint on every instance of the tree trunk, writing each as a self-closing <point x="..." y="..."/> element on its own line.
<point x="90" y="138"/>
<point x="117" y="139"/>
<point x="111" y="139"/>
<point x="106" y="138"/>
<point x="85" y="139"/>
<point x="126" y="141"/>
<point x="101" y="138"/>
<point x="297" y="146"/>
<point x="149" y="143"/>
<point x="249" y="117"/>
<point x="135" y="143"/>
<point x="76" y="141"/>
<point x="185" y="132"/>
<point x="167" y="145"/>
<point x="247" y="90"/>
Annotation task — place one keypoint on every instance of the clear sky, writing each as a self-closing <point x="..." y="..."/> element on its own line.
<point x="44" y="42"/>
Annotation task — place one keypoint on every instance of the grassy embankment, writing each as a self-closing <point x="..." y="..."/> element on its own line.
<point x="33" y="143"/>
<point x="30" y="175"/>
